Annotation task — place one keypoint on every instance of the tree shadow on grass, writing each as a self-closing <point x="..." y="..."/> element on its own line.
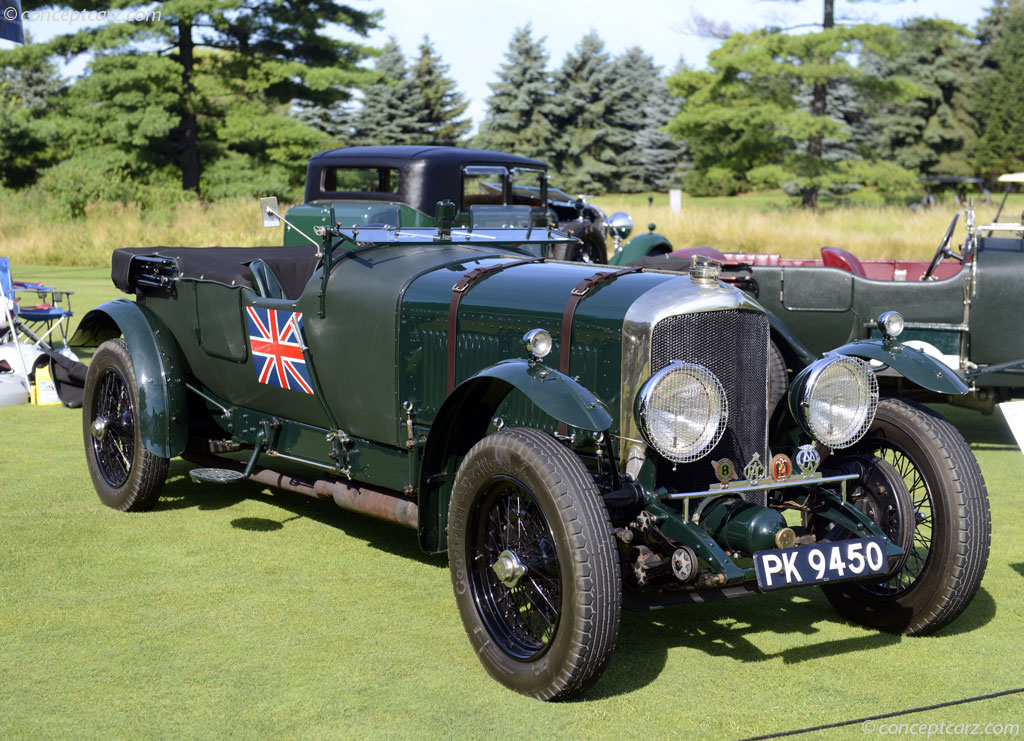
<point x="180" y="492"/>
<point x="730" y="628"/>
<point x="1018" y="567"/>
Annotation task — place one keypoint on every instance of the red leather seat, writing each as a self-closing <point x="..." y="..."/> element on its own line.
<point x="837" y="257"/>
<point x="705" y="251"/>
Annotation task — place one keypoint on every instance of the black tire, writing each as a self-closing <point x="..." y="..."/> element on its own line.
<point x="551" y="633"/>
<point x="126" y="475"/>
<point x="778" y="378"/>
<point x="591" y="247"/>
<point x="951" y="532"/>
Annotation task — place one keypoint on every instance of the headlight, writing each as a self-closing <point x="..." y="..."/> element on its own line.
<point x="834" y="399"/>
<point x="682" y="411"/>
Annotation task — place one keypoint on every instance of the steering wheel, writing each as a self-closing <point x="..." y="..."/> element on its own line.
<point x="944" y="250"/>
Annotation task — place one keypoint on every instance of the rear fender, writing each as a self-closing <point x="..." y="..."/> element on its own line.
<point x="159" y="371"/>
<point x="639" y="246"/>
<point x="464" y="417"/>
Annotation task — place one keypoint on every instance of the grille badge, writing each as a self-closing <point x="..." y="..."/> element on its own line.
<point x="808" y="458"/>
<point x="725" y="470"/>
<point x="782" y="467"/>
<point x="754" y="471"/>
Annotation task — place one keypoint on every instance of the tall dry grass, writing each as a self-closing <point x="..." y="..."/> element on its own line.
<point x="33" y="230"/>
<point x="869" y="232"/>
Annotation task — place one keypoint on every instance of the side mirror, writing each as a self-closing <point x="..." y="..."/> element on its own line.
<point x="270" y="211"/>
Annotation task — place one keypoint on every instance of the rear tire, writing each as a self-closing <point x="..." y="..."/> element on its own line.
<point x="951" y="531"/>
<point x="125" y="475"/>
<point x="533" y="564"/>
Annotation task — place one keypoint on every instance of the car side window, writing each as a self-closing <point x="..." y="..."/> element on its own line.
<point x="360" y="179"/>
<point x="483" y="185"/>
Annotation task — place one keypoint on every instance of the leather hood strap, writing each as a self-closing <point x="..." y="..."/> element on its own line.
<point x="461" y="287"/>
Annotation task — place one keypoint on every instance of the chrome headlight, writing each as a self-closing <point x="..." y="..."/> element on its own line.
<point x="681" y="411"/>
<point x="834" y="400"/>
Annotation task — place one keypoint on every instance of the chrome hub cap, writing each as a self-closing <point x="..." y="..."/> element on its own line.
<point x="509" y="569"/>
<point x="99" y="428"/>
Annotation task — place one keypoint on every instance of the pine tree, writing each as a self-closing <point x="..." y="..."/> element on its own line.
<point x="745" y="118"/>
<point x="584" y="154"/>
<point x="634" y="79"/>
<point x="26" y="130"/>
<point x="663" y="160"/>
<point x="520" y="108"/>
<point x="224" y="58"/>
<point x="932" y="130"/>
<point x="392" y="110"/>
<point x="442" y="103"/>
<point x="999" y="92"/>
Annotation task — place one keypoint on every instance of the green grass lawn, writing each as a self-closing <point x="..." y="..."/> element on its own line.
<point x="235" y="611"/>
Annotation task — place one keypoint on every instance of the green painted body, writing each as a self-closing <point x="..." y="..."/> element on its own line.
<point x="640" y="246"/>
<point x="376" y="333"/>
<point x="741" y="526"/>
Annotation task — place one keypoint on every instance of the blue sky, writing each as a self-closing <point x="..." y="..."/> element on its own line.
<point x="472" y="35"/>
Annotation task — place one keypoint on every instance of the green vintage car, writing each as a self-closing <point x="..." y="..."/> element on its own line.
<point x="579" y="441"/>
<point x="400" y="185"/>
<point x="954" y="306"/>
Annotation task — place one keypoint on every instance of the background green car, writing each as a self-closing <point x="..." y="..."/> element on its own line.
<point x="578" y="441"/>
<point x="955" y="307"/>
<point x="400" y="186"/>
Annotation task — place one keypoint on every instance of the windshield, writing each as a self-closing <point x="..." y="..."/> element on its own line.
<point x="367" y="214"/>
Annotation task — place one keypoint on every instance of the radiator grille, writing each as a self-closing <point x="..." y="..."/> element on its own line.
<point x="734" y="346"/>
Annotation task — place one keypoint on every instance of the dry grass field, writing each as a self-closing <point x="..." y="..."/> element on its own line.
<point x="35" y="231"/>
<point x="771" y="223"/>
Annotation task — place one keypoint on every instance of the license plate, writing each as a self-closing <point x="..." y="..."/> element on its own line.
<point x="821" y="562"/>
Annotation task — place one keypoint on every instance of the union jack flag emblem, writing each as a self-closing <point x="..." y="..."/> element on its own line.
<point x="276" y="341"/>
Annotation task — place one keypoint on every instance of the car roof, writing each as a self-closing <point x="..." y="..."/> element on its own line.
<point x="1012" y="177"/>
<point x="394" y="154"/>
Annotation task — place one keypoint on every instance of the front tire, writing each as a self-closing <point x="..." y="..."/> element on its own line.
<point x="951" y="528"/>
<point x="533" y="564"/>
<point x="126" y="476"/>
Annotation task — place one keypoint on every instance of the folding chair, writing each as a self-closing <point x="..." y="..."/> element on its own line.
<point x="37" y="322"/>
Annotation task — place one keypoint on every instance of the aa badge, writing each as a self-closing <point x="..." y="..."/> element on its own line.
<point x="808" y="459"/>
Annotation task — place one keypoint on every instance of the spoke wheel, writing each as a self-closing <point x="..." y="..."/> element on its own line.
<point x="533" y="564"/>
<point x="113" y="428"/>
<point x="515" y="577"/>
<point x="945" y="534"/>
<point x="125" y="475"/>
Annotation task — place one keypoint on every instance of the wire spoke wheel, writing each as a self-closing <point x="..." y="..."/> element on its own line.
<point x="521" y="613"/>
<point x="944" y="528"/>
<point x="125" y="474"/>
<point x="918" y="521"/>
<point x="533" y="564"/>
<point x="113" y="428"/>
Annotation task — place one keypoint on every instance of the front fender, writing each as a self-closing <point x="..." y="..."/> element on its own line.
<point x="555" y="393"/>
<point x="915" y="365"/>
<point x="159" y="375"/>
<point x="464" y="417"/>
<point x="639" y="246"/>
